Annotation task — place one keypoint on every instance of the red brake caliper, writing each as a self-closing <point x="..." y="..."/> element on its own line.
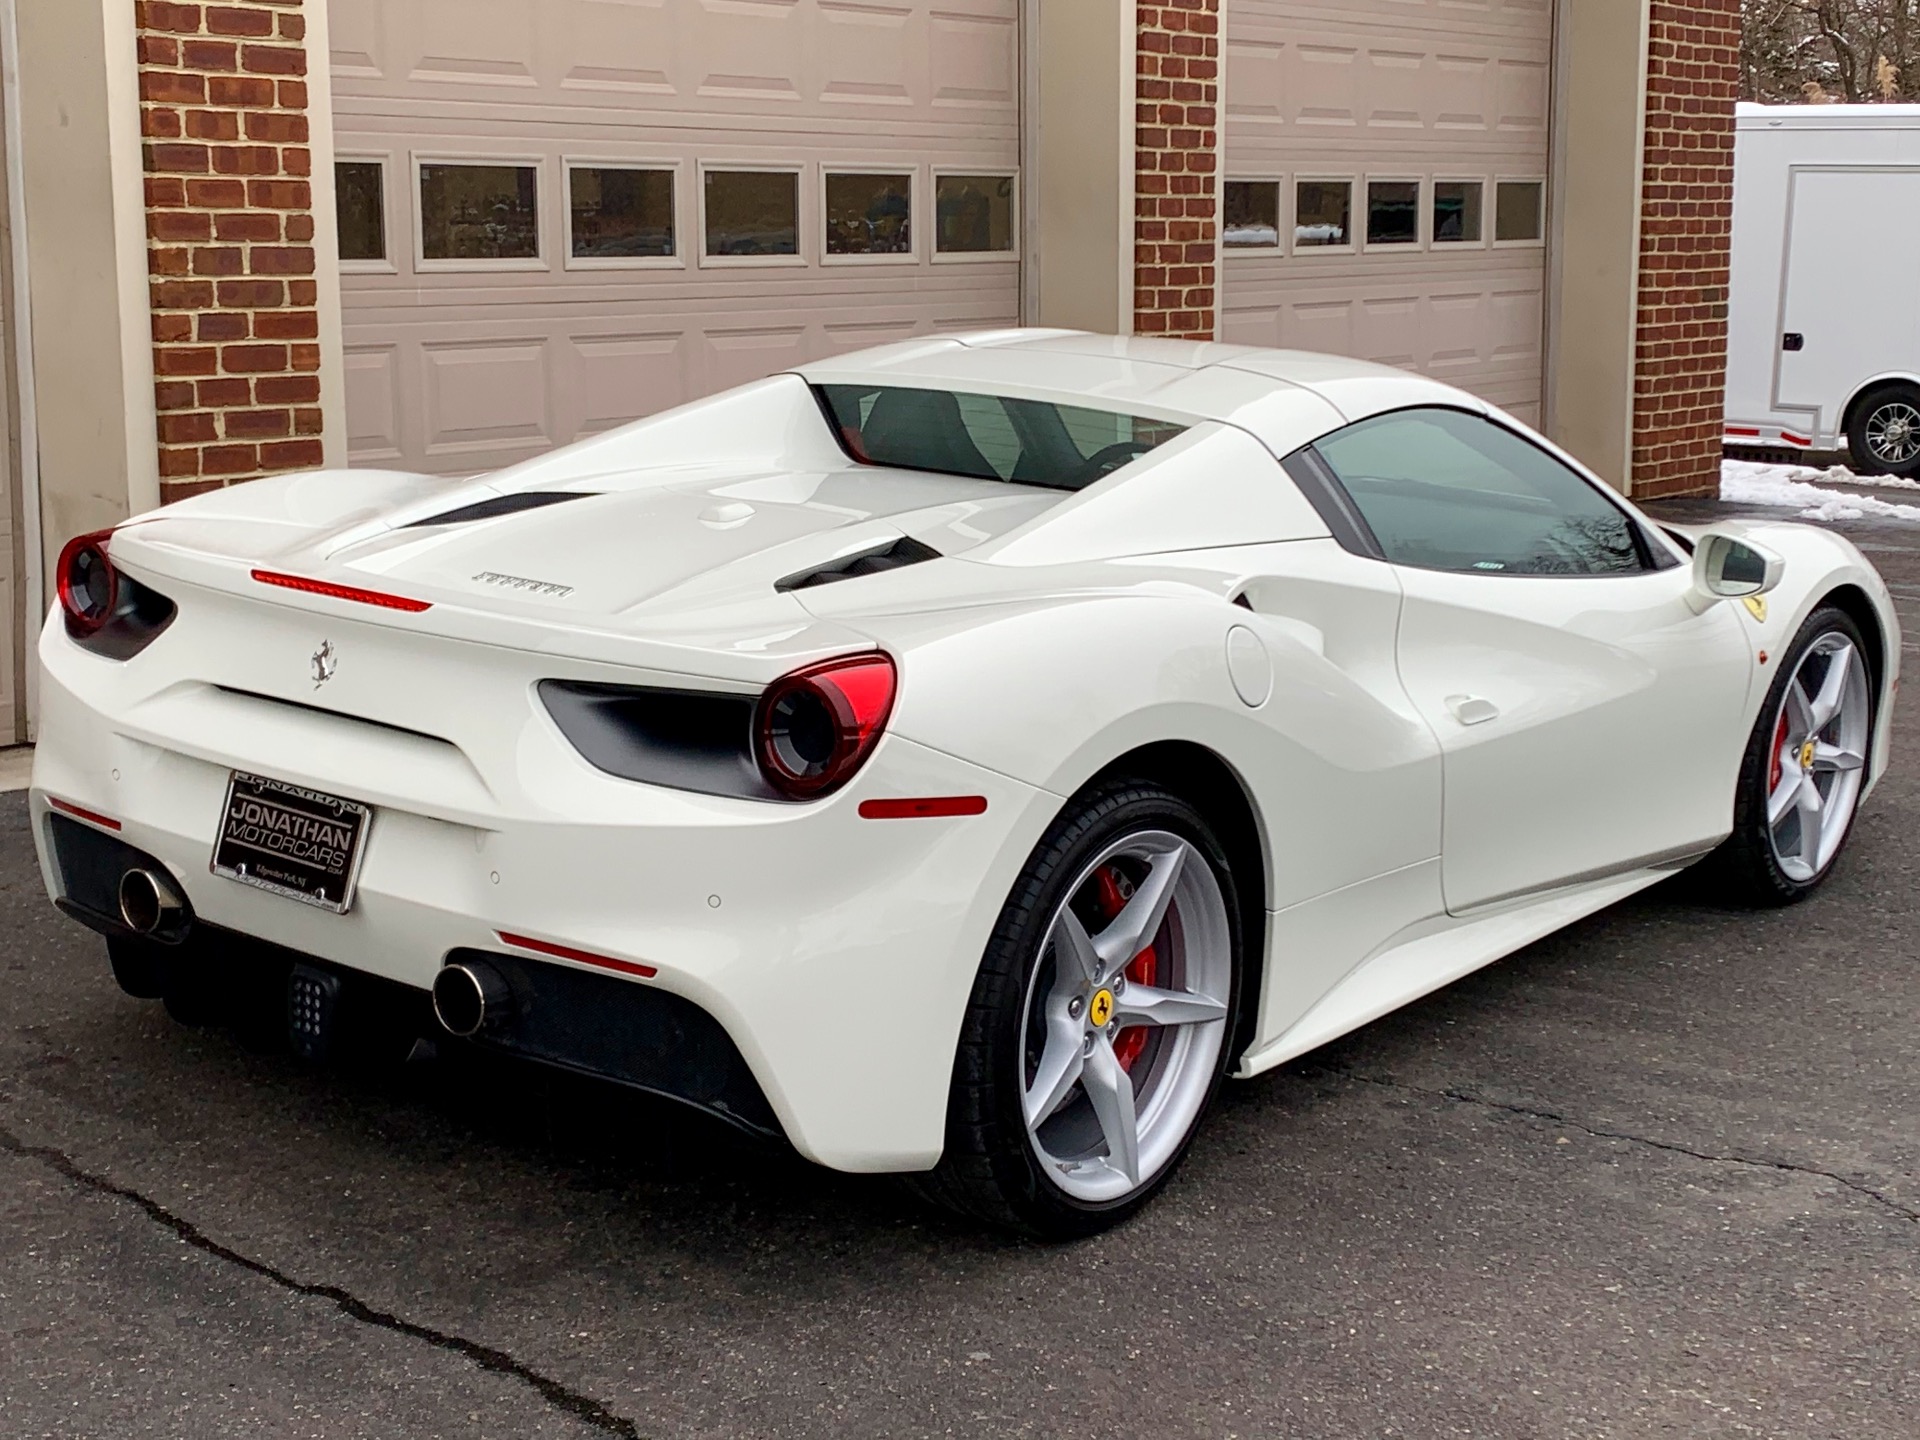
<point x="1773" y="770"/>
<point x="1143" y="970"/>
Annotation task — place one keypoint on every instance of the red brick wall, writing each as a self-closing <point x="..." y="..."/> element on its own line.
<point x="230" y="240"/>
<point x="1176" y="169"/>
<point x="1679" y="403"/>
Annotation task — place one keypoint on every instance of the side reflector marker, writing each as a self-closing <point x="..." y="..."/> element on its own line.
<point x="930" y="808"/>
<point x="80" y="812"/>
<point x="342" y="592"/>
<point x="585" y="957"/>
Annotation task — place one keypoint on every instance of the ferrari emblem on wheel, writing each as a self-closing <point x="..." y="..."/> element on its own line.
<point x="1100" y="1011"/>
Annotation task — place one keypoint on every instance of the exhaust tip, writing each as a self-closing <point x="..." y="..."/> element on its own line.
<point x="149" y="905"/>
<point x="471" y="998"/>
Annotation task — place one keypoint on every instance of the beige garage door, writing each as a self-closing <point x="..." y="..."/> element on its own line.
<point x="558" y="215"/>
<point x="1385" y="184"/>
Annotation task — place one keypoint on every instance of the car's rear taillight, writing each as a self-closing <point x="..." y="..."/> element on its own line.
<point x="816" y="727"/>
<point x="105" y="610"/>
<point x="88" y="584"/>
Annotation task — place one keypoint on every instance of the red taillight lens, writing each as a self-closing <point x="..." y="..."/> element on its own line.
<point x="88" y="585"/>
<point x="817" y="726"/>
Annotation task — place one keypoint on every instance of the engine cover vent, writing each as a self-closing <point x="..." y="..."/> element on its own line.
<point x="902" y="552"/>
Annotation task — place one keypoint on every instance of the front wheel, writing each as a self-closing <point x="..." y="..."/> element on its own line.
<point x="1098" y="1028"/>
<point x="1883" y="438"/>
<point x="1805" y="766"/>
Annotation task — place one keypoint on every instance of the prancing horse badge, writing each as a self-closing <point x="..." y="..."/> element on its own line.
<point x="325" y="662"/>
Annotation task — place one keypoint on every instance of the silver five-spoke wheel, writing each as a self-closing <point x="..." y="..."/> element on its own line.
<point x="1125" y="1016"/>
<point x="1818" y="760"/>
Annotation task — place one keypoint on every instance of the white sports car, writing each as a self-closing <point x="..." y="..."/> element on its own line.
<point x="953" y="758"/>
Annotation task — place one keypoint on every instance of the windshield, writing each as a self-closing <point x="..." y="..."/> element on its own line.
<point x="989" y="437"/>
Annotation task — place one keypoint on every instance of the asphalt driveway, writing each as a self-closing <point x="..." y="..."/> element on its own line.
<point x="1658" y="1175"/>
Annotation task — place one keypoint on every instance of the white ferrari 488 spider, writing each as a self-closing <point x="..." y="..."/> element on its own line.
<point x="953" y="758"/>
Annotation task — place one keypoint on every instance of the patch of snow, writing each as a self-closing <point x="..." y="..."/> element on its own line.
<point x="1748" y="482"/>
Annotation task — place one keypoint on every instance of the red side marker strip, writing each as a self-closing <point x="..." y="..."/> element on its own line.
<point x="92" y="817"/>
<point x="927" y="809"/>
<point x="342" y="592"/>
<point x="585" y="957"/>
<point x="1793" y="439"/>
<point x="1741" y="430"/>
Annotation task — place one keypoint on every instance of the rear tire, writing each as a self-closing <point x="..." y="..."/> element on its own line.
<point x="1883" y="435"/>
<point x="1098" y="1016"/>
<point x="1815" y="730"/>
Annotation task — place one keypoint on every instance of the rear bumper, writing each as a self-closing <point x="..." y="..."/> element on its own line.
<point x="835" y="953"/>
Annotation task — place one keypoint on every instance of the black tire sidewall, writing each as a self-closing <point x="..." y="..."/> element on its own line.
<point x="1863" y="459"/>
<point x="1085" y="828"/>
<point x="1752" y="838"/>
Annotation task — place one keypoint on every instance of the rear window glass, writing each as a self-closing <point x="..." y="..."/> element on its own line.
<point x="989" y="437"/>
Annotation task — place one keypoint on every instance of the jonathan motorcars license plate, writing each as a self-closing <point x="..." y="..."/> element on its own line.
<point x="294" y="842"/>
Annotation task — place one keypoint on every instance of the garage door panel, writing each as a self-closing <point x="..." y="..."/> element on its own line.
<point x="457" y="368"/>
<point x="975" y="59"/>
<point x="1392" y="89"/>
<point x="483" y="392"/>
<point x="609" y="375"/>
<point x="373" y="403"/>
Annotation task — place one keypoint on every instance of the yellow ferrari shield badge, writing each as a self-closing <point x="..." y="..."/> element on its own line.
<point x="1757" y="605"/>
<point x="1100" y="1008"/>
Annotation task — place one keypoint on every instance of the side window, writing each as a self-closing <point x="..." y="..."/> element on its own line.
<point x="1445" y="490"/>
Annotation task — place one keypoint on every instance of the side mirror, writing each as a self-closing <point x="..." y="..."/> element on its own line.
<point x="1726" y="568"/>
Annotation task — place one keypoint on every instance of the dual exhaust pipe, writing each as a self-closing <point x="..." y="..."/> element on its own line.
<point x="151" y="906"/>
<point x="470" y="998"/>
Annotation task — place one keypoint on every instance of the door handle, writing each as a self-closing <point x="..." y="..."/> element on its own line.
<point x="1472" y="710"/>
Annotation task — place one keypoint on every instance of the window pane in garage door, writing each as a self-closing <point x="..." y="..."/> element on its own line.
<point x="975" y="214"/>
<point x="1250" y="213"/>
<point x="460" y="366"/>
<point x="1456" y="212"/>
<point x="479" y="212"/>
<point x="1452" y="95"/>
<point x="869" y="214"/>
<point x="753" y="212"/>
<point x="360" y="196"/>
<point x="620" y="214"/>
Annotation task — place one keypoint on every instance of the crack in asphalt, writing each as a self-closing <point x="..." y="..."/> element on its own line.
<point x="1466" y="1097"/>
<point x="498" y="1362"/>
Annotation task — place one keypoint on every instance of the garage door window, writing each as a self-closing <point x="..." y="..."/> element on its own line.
<point x="1323" y="215"/>
<point x="752" y="216"/>
<point x="620" y="216"/>
<point x="479" y="212"/>
<point x="1456" y="212"/>
<point x="869" y="215"/>
<point x="1445" y="490"/>
<point x="360" y="200"/>
<point x="1251" y="215"/>
<point x="973" y="216"/>
<point x="1519" y="208"/>
<point x="1393" y="212"/>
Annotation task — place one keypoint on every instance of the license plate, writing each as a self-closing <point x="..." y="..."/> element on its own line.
<point x="294" y="842"/>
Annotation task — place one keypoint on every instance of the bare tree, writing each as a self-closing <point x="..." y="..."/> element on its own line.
<point x="1856" y="51"/>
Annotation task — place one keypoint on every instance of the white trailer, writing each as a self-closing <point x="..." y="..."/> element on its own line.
<point x="1824" y="309"/>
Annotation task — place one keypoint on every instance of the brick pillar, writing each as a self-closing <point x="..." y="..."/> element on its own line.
<point x="1686" y="228"/>
<point x="1176" y="266"/>
<point x="230" y="229"/>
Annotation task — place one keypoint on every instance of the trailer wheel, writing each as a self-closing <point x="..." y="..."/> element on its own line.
<point x="1883" y="435"/>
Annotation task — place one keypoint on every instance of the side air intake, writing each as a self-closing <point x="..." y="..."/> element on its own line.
<point x="902" y="552"/>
